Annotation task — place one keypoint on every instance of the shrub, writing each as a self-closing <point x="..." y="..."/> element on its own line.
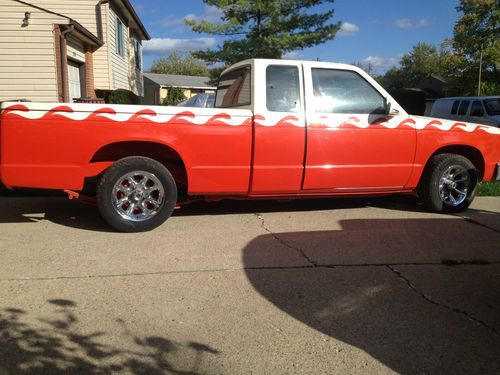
<point x="122" y="96"/>
<point x="175" y="95"/>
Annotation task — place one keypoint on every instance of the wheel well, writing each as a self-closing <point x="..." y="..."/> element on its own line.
<point x="157" y="151"/>
<point x="469" y="152"/>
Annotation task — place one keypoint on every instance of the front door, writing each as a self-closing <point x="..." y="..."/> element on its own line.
<point x="351" y="143"/>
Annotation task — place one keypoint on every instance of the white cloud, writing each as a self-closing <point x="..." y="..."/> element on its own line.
<point x="381" y="64"/>
<point x="210" y="14"/>
<point x="172" y="22"/>
<point x="424" y="22"/>
<point x="161" y="46"/>
<point x="406" y="23"/>
<point x="348" y="29"/>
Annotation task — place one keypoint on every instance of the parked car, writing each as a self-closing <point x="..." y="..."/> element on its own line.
<point x="205" y="100"/>
<point x="280" y="129"/>
<point x="476" y="109"/>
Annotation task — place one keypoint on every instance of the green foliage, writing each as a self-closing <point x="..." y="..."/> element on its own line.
<point x="479" y="27"/>
<point x="421" y="62"/>
<point x="489" y="189"/>
<point x="175" y="63"/>
<point x="264" y="28"/>
<point x="457" y="60"/>
<point x="175" y="95"/>
<point x="122" y="96"/>
<point x="476" y="36"/>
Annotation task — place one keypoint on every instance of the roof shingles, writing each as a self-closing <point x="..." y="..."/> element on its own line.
<point x="172" y="80"/>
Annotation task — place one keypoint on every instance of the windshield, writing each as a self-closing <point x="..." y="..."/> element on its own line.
<point x="492" y="106"/>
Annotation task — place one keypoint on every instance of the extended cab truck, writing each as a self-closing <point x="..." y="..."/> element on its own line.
<point x="279" y="129"/>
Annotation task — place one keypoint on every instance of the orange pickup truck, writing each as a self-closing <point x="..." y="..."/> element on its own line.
<point x="279" y="129"/>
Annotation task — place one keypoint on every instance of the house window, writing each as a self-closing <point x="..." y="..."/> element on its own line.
<point x="120" y="41"/>
<point x="138" y="54"/>
<point x="76" y="80"/>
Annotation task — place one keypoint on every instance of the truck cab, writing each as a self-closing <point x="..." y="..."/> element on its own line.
<point x="316" y="127"/>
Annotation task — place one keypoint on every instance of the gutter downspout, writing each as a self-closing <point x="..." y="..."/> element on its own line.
<point x="64" y="67"/>
<point x="98" y="12"/>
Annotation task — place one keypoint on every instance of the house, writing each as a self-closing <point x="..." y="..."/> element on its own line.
<point x="61" y="50"/>
<point x="156" y="86"/>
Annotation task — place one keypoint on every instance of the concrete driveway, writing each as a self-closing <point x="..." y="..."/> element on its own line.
<point x="301" y="287"/>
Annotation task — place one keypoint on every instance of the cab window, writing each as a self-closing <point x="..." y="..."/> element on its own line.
<point x="282" y="88"/>
<point x="234" y="89"/>
<point x="454" y="108"/>
<point x="344" y="91"/>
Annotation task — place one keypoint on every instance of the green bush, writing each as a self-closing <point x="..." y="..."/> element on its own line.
<point x="122" y="96"/>
<point x="175" y="95"/>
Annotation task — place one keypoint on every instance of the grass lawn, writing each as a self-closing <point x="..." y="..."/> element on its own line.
<point x="489" y="189"/>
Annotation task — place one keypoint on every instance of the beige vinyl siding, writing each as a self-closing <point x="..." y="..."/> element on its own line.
<point x="102" y="55"/>
<point x="27" y="57"/>
<point x="82" y="11"/>
<point x="119" y="64"/>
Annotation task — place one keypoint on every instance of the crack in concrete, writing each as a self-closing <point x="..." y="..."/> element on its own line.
<point x="260" y="268"/>
<point x="475" y="222"/>
<point x="443" y="305"/>
<point x="311" y="262"/>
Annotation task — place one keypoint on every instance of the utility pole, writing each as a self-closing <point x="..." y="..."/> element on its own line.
<point x="480" y="69"/>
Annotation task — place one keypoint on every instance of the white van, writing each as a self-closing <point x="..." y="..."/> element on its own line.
<point x="477" y="109"/>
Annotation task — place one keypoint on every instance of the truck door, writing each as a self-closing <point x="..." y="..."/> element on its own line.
<point x="351" y="143"/>
<point x="279" y="138"/>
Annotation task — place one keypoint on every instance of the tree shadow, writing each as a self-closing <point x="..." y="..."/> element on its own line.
<point x="55" y="345"/>
<point x="417" y="295"/>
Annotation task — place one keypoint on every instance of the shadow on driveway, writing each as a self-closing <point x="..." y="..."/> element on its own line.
<point x="387" y="288"/>
<point x="54" y="345"/>
<point x="81" y="215"/>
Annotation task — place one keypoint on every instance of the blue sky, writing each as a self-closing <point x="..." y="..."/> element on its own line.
<point x="376" y="31"/>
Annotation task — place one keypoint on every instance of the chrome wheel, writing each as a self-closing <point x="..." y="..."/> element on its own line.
<point x="454" y="185"/>
<point x="138" y="196"/>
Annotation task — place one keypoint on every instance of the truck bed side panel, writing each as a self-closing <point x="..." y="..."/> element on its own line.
<point x="50" y="145"/>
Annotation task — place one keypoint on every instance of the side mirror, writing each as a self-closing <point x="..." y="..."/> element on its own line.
<point x="390" y="111"/>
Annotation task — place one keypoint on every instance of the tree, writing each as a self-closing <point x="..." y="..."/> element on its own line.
<point x="477" y="37"/>
<point x="366" y="66"/>
<point x="175" y="95"/>
<point x="175" y="63"/>
<point x="264" y="28"/>
<point x="421" y="62"/>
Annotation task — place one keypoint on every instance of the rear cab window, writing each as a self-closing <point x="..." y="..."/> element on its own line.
<point x="234" y="88"/>
<point x="454" y="108"/>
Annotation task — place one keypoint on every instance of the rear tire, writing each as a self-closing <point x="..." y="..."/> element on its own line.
<point x="136" y="194"/>
<point x="448" y="184"/>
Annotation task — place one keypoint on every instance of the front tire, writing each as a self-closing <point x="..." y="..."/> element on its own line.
<point x="449" y="183"/>
<point x="136" y="194"/>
